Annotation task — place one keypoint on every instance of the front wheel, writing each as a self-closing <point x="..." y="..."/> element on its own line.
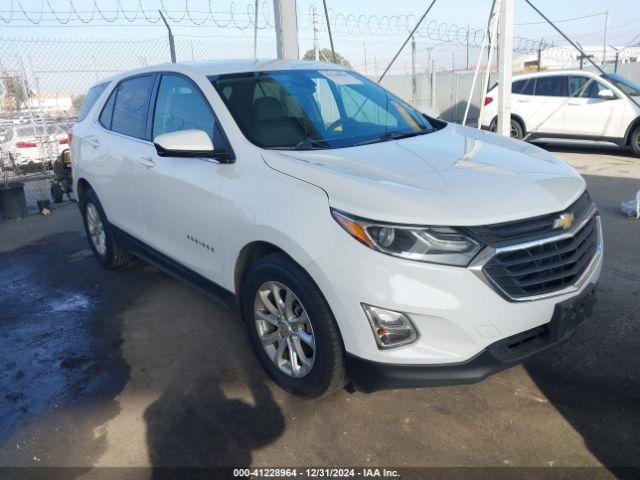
<point x="292" y="328"/>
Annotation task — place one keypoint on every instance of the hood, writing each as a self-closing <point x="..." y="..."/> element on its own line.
<point x="455" y="176"/>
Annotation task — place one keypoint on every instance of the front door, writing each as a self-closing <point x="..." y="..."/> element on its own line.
<point x="590" y="115"/>
<point x="180" y="196"/>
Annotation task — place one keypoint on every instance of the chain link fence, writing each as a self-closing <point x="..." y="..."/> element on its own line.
<point x="43" y="82"/>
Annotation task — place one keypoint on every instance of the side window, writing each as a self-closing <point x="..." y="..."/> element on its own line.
<point x="107" y="110"/>
<point x="131" y="106"/>
<point x="181" y="106"/>
<point x="523" y="87"/>
<point x="90" y="100"/>
<point x="593" y="90"/>
<point x="576" y="85"/>
<point x="551" y="86"/>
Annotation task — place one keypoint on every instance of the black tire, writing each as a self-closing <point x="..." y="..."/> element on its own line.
<point x="56" y="193"/>
<point x="329" y="372"/>
<point x="517" y="130"/>
<point x="114" y="256"/>
<point x="635" y="141"/>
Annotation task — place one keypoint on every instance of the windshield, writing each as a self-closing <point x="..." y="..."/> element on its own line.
<point x="309" y="109"/>
<point x="624" y="84"/>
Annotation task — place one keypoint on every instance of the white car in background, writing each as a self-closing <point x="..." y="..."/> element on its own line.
<point x="573" y="105"/>
<point x="361" y="240"/>
<point x="29" y="144"/>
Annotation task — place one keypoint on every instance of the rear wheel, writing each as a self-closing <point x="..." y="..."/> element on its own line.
<point x="517" y="131"/>
<point x="292" y="328"/>
<point x="635" y="141"/>
<point x="100" y="234"/>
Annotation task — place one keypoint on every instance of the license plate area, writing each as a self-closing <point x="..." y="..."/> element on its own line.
<point x="568" y="315"/>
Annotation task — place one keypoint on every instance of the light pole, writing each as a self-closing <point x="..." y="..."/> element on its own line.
<point x="505" y="59"/>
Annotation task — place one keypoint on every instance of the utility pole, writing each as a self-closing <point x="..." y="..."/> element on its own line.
<point x="316" y="45"/>
<point x="414" y="85"/>
<point x="505" y="41"/>
<point x="255" y="30"/>
<point x="286" y="23"/>
<point x="364" y="46"/>
<point x="453" y="61"/>
<point x="433" y="84"/>
<point x="604" y="46"/>
<point x="540" y="54"/>
<point x="468" y="47"/>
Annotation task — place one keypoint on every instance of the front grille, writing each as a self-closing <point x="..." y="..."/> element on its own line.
<point x="530" y="228"/>
<point x="545" y="267"/>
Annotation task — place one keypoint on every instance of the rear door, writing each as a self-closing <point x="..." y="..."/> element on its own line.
<point x="546" y="113"/>
<point x="119" y="143"/>
<point x="588" y="114"/>
<point x="180" y="196"/>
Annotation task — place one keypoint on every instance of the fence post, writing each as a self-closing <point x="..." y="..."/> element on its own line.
<point x="414" y="84"/>
<point x="433" y="85"/>
<point x="172" y="46"/>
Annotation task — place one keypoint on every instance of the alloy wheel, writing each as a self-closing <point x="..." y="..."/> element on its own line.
<point x="284" y="329"/>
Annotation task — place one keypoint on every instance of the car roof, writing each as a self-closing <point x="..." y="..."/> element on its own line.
<point x="553" y="73"/>
<point x="221" y="67"/>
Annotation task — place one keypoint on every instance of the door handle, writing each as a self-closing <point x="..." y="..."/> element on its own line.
<point x="147" y="162"/>
<point x="573" y="103"/>
<point x="522" y="100"/>
<point x="93" y="141"/>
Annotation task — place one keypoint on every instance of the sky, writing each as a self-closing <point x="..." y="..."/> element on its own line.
<point x="368" y="52"/>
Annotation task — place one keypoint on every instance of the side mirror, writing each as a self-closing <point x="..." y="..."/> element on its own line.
<point x="606" y="94"/>
<point x="185" y="143"/>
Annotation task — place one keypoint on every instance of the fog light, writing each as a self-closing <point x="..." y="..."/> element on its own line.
<point x="390" y="329"/>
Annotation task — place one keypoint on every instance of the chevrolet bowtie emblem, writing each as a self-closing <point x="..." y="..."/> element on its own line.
<point x="564" y="221"/>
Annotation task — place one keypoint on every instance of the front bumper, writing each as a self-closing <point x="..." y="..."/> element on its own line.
<point x="368" y="376"/>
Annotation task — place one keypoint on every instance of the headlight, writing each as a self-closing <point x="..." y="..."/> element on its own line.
<point x="444" y="245"/>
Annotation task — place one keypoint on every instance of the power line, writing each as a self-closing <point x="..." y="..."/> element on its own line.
<point x="563" y="20"/>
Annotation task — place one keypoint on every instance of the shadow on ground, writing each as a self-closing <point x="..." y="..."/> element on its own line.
<point x="80" y="343"/>
<point x="60" y="363"/>
<point x="593" y="380"/>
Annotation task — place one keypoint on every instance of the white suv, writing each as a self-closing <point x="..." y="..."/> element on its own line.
<point x="574" y="105"/>
<point x="362" y="241"/>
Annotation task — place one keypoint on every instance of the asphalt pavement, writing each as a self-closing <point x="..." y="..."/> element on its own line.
<point x="131" y="368"/>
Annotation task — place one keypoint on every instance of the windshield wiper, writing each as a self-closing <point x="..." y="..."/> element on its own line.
<point x="309" y="144"/>
<point x="394" y="136"/>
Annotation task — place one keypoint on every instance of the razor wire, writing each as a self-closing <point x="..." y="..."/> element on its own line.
<point x="344" y="24"/>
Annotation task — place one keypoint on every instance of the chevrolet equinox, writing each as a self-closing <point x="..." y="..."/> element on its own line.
<point x="362" y="241"/>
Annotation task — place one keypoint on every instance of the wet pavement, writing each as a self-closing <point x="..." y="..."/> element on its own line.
<point x="131" y="368"/>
